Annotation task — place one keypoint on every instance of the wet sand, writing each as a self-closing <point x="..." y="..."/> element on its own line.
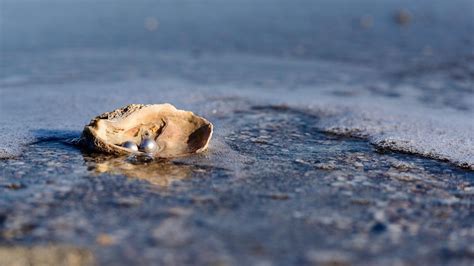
<point x="326" y="151"/>
<point x="273" y="190"/>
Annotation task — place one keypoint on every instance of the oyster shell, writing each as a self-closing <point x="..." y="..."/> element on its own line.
<point x="176" y="132"/>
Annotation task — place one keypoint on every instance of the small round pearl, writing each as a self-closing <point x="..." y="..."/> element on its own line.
<point x="130" y="145"/>
<point x="148" y="145"/>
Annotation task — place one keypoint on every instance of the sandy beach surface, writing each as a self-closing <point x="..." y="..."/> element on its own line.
<point x="343" y="132"/>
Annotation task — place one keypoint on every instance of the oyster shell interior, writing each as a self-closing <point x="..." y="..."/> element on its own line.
<point x="176" y="132"/>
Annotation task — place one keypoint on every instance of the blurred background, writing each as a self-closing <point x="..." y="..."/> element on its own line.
<point x="368" y="31"/>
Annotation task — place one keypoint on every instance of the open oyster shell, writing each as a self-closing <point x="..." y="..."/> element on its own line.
<point x="176" y="132"/>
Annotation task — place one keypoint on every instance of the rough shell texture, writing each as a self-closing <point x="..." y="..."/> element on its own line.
<point x="176" y="132"/>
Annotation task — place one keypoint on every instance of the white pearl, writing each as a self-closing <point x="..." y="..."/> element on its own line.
<point x="130" y="145"/>
<point x="148" y="145"/>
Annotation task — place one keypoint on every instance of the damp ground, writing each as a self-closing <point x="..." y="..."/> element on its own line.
<point x="274" y="191"/>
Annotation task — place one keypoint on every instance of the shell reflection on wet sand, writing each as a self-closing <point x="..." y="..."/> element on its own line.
<point x="157" y="172"/>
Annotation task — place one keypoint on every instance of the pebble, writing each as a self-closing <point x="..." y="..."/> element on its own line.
<point x="326" y="166"/>
<point x="402" y="17"/>
<point x="378" y="228"/>
<point x="172" y="232"/>
<point x="328" y="257"/>
<point x="275" y="196"/>
<point x="105" y="240"/>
